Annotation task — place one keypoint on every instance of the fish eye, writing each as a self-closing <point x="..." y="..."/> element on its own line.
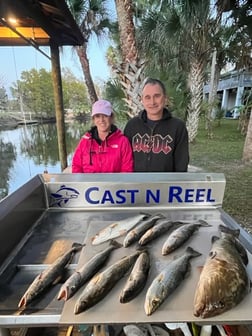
<point x="212" y="254"/>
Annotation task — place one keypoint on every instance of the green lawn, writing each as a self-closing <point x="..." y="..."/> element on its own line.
<point x="223" y="154"/>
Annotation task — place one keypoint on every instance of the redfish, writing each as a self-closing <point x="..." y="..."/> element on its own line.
<point x="224" y="281"/>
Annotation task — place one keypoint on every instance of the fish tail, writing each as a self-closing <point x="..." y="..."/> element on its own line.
<point x="115" y="244"/>
<point x="225" y="229"/>
<point x="204" y="223"/>
<point x="77" y="246"/>
<point x="192" y="252"/>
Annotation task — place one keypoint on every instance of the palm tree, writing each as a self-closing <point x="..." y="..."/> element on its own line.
<point x="130" y="68"/>
<point x="92" y="17"/>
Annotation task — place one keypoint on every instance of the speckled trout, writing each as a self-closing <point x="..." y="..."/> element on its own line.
<point x="118" y="228"/>
<point x="180" y="235"/>
<point x="102" y="283"/>
<point x="224" y="281"/>
<point x="168" y="280"/>
<point x="160" y="227"/>
<point x="49" y="276"/>
<point x="134" y="234"/>
<point x="85" y="272"/>
<point x="137" y="278"/>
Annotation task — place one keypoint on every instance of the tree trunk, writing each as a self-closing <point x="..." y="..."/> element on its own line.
<point x="82" y="53"/>
<point x="247" y="149"/>
<point x="195" y="82"/>
<point x="131" y="70"/>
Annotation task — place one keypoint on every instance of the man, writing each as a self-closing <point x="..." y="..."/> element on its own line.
<point x="159" y="140"/>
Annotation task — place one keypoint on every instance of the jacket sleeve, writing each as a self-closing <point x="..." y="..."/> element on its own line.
<point x="181" y="155"/>
<point x="77" y="158"/>
<point x="127" y="156"/>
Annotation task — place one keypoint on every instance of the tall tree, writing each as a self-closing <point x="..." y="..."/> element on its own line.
<point x="176" y="34"/>
<point x="92" y="16"/>
<point x="130" y="68"/>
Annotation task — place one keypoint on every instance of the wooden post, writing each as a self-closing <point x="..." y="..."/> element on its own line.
<point x="59" y="109"/>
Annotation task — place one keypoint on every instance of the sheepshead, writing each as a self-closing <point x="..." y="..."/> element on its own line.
<point x="180" y="235"/>
<point x="118" y="228"/>
<point x="49" y="276"/>
<point x="102" y="283"/>
<point x="137" y="278"/>
<point x="168" y="280"/>
<point x="224" y="281"/>
<point x="134" y="234"/>
<point x="161" y="226"/>
<point x="84" y="273"/>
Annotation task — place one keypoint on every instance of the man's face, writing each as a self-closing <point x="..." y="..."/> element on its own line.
<point x="153" y="100"/>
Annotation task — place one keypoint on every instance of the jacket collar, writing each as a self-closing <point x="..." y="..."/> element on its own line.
<point x="166" y="115"/>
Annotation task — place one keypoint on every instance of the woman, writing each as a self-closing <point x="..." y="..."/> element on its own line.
<point x="104" y="148"/>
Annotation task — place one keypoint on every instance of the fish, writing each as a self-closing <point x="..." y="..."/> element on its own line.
<point x="180" y="235"/>
<point x="224" y="281"/>
<point x="137" y="278"/>
<point x="134" y="234"/>
<point x="161" y="226"/>
<point x="49" y="276"/>
<point x="84" y="273"/>
<point x="102" y="283"/>
<point x="168" y="280"/>
<point x="118" y="228"/>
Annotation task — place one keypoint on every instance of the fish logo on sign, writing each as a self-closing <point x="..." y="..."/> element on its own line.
<point x="63" y="195"/>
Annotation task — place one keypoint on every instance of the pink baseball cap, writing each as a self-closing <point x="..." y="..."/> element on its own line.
<point x="102" y="106"/>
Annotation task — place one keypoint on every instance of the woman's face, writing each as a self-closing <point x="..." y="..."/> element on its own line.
<point x="102" y="122"/>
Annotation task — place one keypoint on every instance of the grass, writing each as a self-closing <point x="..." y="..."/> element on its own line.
<point x="223" y="154"/>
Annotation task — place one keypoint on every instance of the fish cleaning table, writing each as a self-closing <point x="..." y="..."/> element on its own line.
<point x="50" y="212"/>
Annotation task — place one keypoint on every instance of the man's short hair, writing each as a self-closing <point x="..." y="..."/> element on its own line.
<point x="154" y="81"/>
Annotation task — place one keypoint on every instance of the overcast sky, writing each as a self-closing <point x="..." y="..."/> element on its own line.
<point x="14" y="60"/>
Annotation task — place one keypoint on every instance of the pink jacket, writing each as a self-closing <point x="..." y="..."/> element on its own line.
<point x="114" y="155"/>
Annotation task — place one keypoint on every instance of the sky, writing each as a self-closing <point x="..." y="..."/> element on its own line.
<point x="14" y="60"/>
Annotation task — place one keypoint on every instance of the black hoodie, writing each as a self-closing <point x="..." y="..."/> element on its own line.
<point x="160" y="146"/>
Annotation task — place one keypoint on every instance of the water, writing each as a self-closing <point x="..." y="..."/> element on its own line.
<point x="30" y="150"/>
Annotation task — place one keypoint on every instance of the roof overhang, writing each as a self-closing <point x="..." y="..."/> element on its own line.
<point x="37" y="22"/>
